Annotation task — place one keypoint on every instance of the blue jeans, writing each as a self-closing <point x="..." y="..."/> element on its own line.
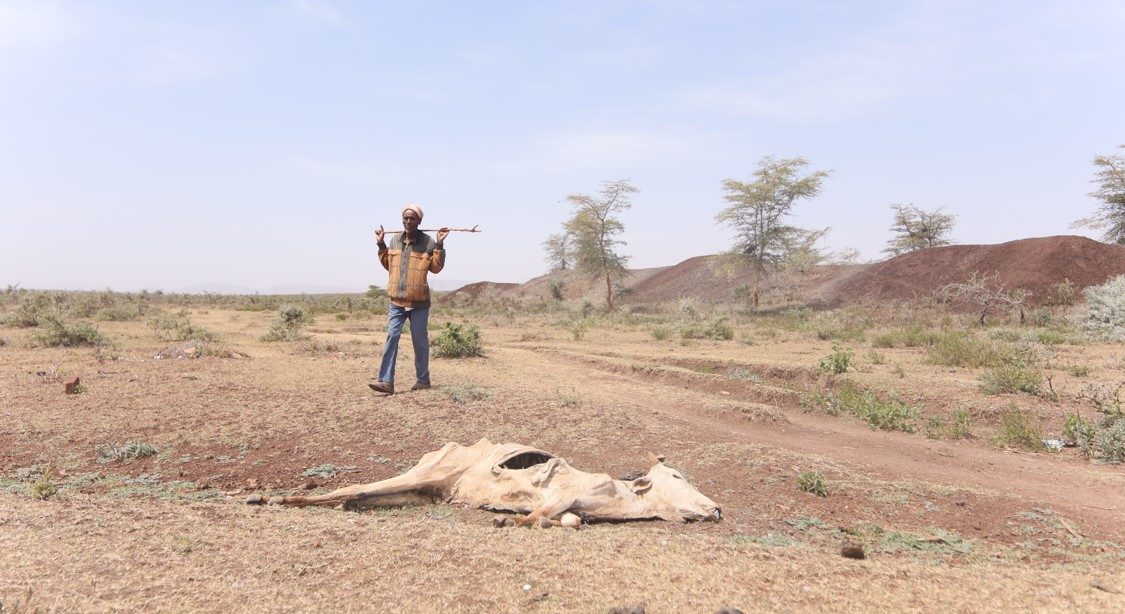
<point x="419" y="334"/>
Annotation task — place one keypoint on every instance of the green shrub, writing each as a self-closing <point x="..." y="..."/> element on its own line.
<point x="1105" y="309"/>
<point x="812" y="482"/>
<point x="935" y="426"/>
<point x="1079" y="430"/>
<point x="1011" y="378"/>
<point x="290" y="320"/>
<point x="457" y="341"/>
<point x="838" y="361"/>
<point x="1108" y="443"/>
<point x="660" y="334"/>
<point x="57" y="333"/>
<point x="960" y="426"/>
<point x="888" y="414"/>
<point x="876" y="358"/>
<point x="29" y="312"/>
<point x="716" y="328"/>
<point x="1019" y="429"/>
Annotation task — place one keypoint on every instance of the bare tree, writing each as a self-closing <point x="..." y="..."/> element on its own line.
<point x="758" y="210"/>
<point x="1110" y="215"/>
<point x="987" y="293"/>
<point x="595" y="228"/>
<point x="915" y="229"/>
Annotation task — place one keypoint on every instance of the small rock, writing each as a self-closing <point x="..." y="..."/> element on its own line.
<point x="255" y="499"/>
<point x="852" y="551"/>
<point x="308" y="485"/>
<point x="628" y="609"/>
<point x="728" y="611"/>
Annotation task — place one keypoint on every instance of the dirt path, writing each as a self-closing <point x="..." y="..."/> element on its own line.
<point x="1092" y="494"/>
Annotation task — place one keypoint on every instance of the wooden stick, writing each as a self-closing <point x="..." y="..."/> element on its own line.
<point x="398" y="232"/>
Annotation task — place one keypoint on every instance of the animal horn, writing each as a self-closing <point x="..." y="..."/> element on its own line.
<point x="654" y="459"/>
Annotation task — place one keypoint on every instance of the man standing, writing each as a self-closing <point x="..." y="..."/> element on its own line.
<point x="409" y="257"/>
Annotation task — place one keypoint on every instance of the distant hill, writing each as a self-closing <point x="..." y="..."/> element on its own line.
<point x="1036" y="265"/>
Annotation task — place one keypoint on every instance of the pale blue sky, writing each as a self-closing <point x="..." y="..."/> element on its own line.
<point x="166" y="144"/>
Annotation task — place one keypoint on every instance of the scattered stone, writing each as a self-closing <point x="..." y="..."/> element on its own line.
<point x="308" y="485"/>
<point x="187" y="349"/>
<point x="852" y="551"/>
<point x="255" y="499"/>
<point x="728" y="611"/>
<point x="71" y="386"/>
<point x="627" y="609"/>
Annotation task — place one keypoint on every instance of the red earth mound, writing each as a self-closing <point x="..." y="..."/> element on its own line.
<point x="1037" y="265"/>
<point x="473" y="292"/>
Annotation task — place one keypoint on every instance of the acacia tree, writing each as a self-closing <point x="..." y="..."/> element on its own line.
<point x="1110" y="215"/>
<point x="758" y="211"/>
<point x="560" y="251"/>
<point x="915" y="229"/>
<point x="595" y="227"/>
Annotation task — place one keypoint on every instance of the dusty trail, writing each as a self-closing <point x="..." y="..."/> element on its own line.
<point x="1093" y="494"/>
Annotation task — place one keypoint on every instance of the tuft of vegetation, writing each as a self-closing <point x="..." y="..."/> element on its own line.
<point x="958" y="349"/>
<point x="290" y="320"/>
<point x="838" y="361"/>
<point x="43" y="488"/>
<point x="1108" y="443"/>
<point x="29" y="312"/>
<point x="960" y="426"/>
<point x="131" y="450"/>
<point x="1019" y="429"/>
<point x="661" y="334"/>
<point x="813" y="482"/>
<point x="1105" y="309"/>
<point x="888" y="414"/>
<point x="462" y="394"/>
<point x="1010" y="379"/>
<point x="716" y="328"/>
<point x="457" y="341"/>
<point x="325" y="471"/>
<point x="57" y="333"/>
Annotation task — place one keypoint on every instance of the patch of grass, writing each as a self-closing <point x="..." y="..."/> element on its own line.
<point x="325" y="471"/>
<point x="804" y="523"/>
<point x="1019" y="429"/>
<point x="465" y="393"/>
<point x="956" y="349"/>
<point x="935" y="426"/>
<point x="813" y="482"/>
<point x="773" y="540"/>
<point x="876" y="358"/>
<point x="568" y="399"/>
<point x="838" y="361"/>
<point x="43" y="488"/>
<point x="887" y="414"/>
<point x="1011" y="378"/>
<point x="457" y="341"/>
<point x="716" y="328"/>
<point x="131" y="450"/>
<point x="661" y="334"/>
<point x="57" y="333"/>
<point x="1108" y="443"/>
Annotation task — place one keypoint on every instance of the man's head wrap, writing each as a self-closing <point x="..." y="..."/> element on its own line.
<point x="417" y="209"/>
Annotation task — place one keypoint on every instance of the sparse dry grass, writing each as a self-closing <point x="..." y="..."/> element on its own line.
<point x="724" y="412"/>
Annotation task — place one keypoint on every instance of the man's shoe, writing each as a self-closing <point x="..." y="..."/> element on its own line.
<point x="421" y="386"/>
<point x="383" y="387"/>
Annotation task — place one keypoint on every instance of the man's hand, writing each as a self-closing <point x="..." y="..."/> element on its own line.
<point x="442" y="233"/>
<point x="379" y="234"/>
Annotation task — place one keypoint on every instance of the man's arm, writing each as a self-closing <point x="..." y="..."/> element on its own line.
<point x="384" y="258"/>
<point x="437" y="261"/>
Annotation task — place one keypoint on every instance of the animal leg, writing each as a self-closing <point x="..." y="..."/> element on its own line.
<point x="549" y="512"/>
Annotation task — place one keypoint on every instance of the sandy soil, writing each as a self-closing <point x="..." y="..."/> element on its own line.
<point x="945" y="524"/>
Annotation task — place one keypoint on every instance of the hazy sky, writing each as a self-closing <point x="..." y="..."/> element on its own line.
<point x="166" y="144"/>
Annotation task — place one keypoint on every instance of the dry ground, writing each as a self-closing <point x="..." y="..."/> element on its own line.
<point x="958" y="524"/>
